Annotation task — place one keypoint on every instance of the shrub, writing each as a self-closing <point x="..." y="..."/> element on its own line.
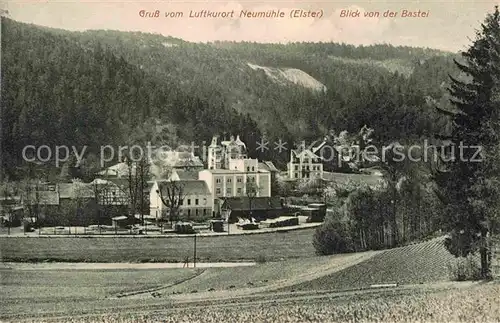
<point x="184" y="228"/>
<point x="28" y="227"/>
<point x="260" y="259"/>
<point x="332" y="237"/>
<point x="464" y="268"/>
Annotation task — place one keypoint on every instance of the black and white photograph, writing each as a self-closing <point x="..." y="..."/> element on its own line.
<point x="249" y="161"/>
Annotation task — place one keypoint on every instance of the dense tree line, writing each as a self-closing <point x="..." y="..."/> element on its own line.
<point x="57" y="92"/>
<point x="99" y="87"/>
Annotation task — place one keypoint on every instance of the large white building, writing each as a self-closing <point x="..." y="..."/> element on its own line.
<point x="230" y="171"/>
<point x="305" y="163"/>
<point x="233" y="182"/>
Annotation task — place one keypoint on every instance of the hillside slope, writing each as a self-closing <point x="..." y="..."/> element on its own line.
<point x="99" y="87"/>
<point x="414" y="264"/>
<point x="292" y="75"/>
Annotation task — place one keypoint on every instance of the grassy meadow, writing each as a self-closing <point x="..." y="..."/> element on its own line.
<point x="272" y="246"/>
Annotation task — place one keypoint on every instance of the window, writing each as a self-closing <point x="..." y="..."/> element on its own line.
<point x="296" y="175"/>
<point x="253" y="169"/>
<point x="228" y="191"/>
<point x="189" y="213"/>
<point x="217" y="180"/>
<point x="218" y="191"/>
<point x="189" y="201"/>
<point x="196" y="212"/>
<point x="296" y="167"/>
<point x="196" y="202"/>
<point x="181" y="202"/>
<point x="239" y="190"/>
<point x="239" y="179"/>
<point x="204" y="211"/>
<point x="229" y="180"/>
<point x="248" y="168"/>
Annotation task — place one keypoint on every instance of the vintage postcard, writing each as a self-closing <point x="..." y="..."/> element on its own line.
<point x="249" y="161"/>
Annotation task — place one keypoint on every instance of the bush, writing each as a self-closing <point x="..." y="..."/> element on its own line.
<point x="28" y="227"/>
<point x="284" y="223"/>
<point x="332" y="237"/>
<point x="464" y="268"/>
<point x="184" y="228"/>
<point x="261" y="259"/>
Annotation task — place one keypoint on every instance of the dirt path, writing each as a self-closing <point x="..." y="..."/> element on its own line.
<point x="114" y="266"/>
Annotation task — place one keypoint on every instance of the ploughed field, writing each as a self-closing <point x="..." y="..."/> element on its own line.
<point x="272" y="246"/>
<point x="413" y="264"/>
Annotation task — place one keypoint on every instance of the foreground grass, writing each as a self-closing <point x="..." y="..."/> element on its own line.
<point x="274" y="246"/>
<point x="480" y="303"/>
<point x="30" y="287"/>
<point x="71" y="291"/>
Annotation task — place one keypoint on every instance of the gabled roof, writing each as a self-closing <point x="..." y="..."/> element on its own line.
<point x="304" y="153"/>
<point x="118" y="170"/>
<point x="258" y="203"/>
<point x="268" y="165"/>
<point x="72" y="190"/>
<point x="180" y="174"/>
<point x="190" y="187"/>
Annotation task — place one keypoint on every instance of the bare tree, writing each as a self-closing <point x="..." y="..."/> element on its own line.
<point x="172" y="196"/>
<point x="251" y="190"/>
<point x="138" y="175"/>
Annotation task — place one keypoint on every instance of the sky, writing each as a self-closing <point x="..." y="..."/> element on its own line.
<point x="450" y="25"/>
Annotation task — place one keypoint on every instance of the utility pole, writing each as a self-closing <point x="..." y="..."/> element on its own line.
<point x="194" y="258"/>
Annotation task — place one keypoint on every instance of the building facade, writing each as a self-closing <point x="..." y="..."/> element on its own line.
<point x="226" y="183"/>
<point x="195" y="199"/>
<point x="305" y="163"/>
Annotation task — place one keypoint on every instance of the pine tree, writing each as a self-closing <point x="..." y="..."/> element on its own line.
<point x="468" y="185"/>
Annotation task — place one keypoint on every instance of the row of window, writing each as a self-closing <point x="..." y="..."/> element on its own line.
<point x="304" y="175"/>
<point x="196" y="202"/>
<point x="229" y="191"/>
<point x="314" y="167"/>
<point x="305" y="160"/>
<point x="239" y="179"/>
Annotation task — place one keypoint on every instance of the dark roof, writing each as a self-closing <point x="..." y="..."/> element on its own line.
<point x="186" y="174"/>
<point x="258" y="203"/>
<point x="190" y="187"/>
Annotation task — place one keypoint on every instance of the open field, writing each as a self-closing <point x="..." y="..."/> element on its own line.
<point x="319" y="289"/>
<point x="274" y="246"/>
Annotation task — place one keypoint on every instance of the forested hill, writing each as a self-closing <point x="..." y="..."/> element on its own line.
<point x="109" y="88"/>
